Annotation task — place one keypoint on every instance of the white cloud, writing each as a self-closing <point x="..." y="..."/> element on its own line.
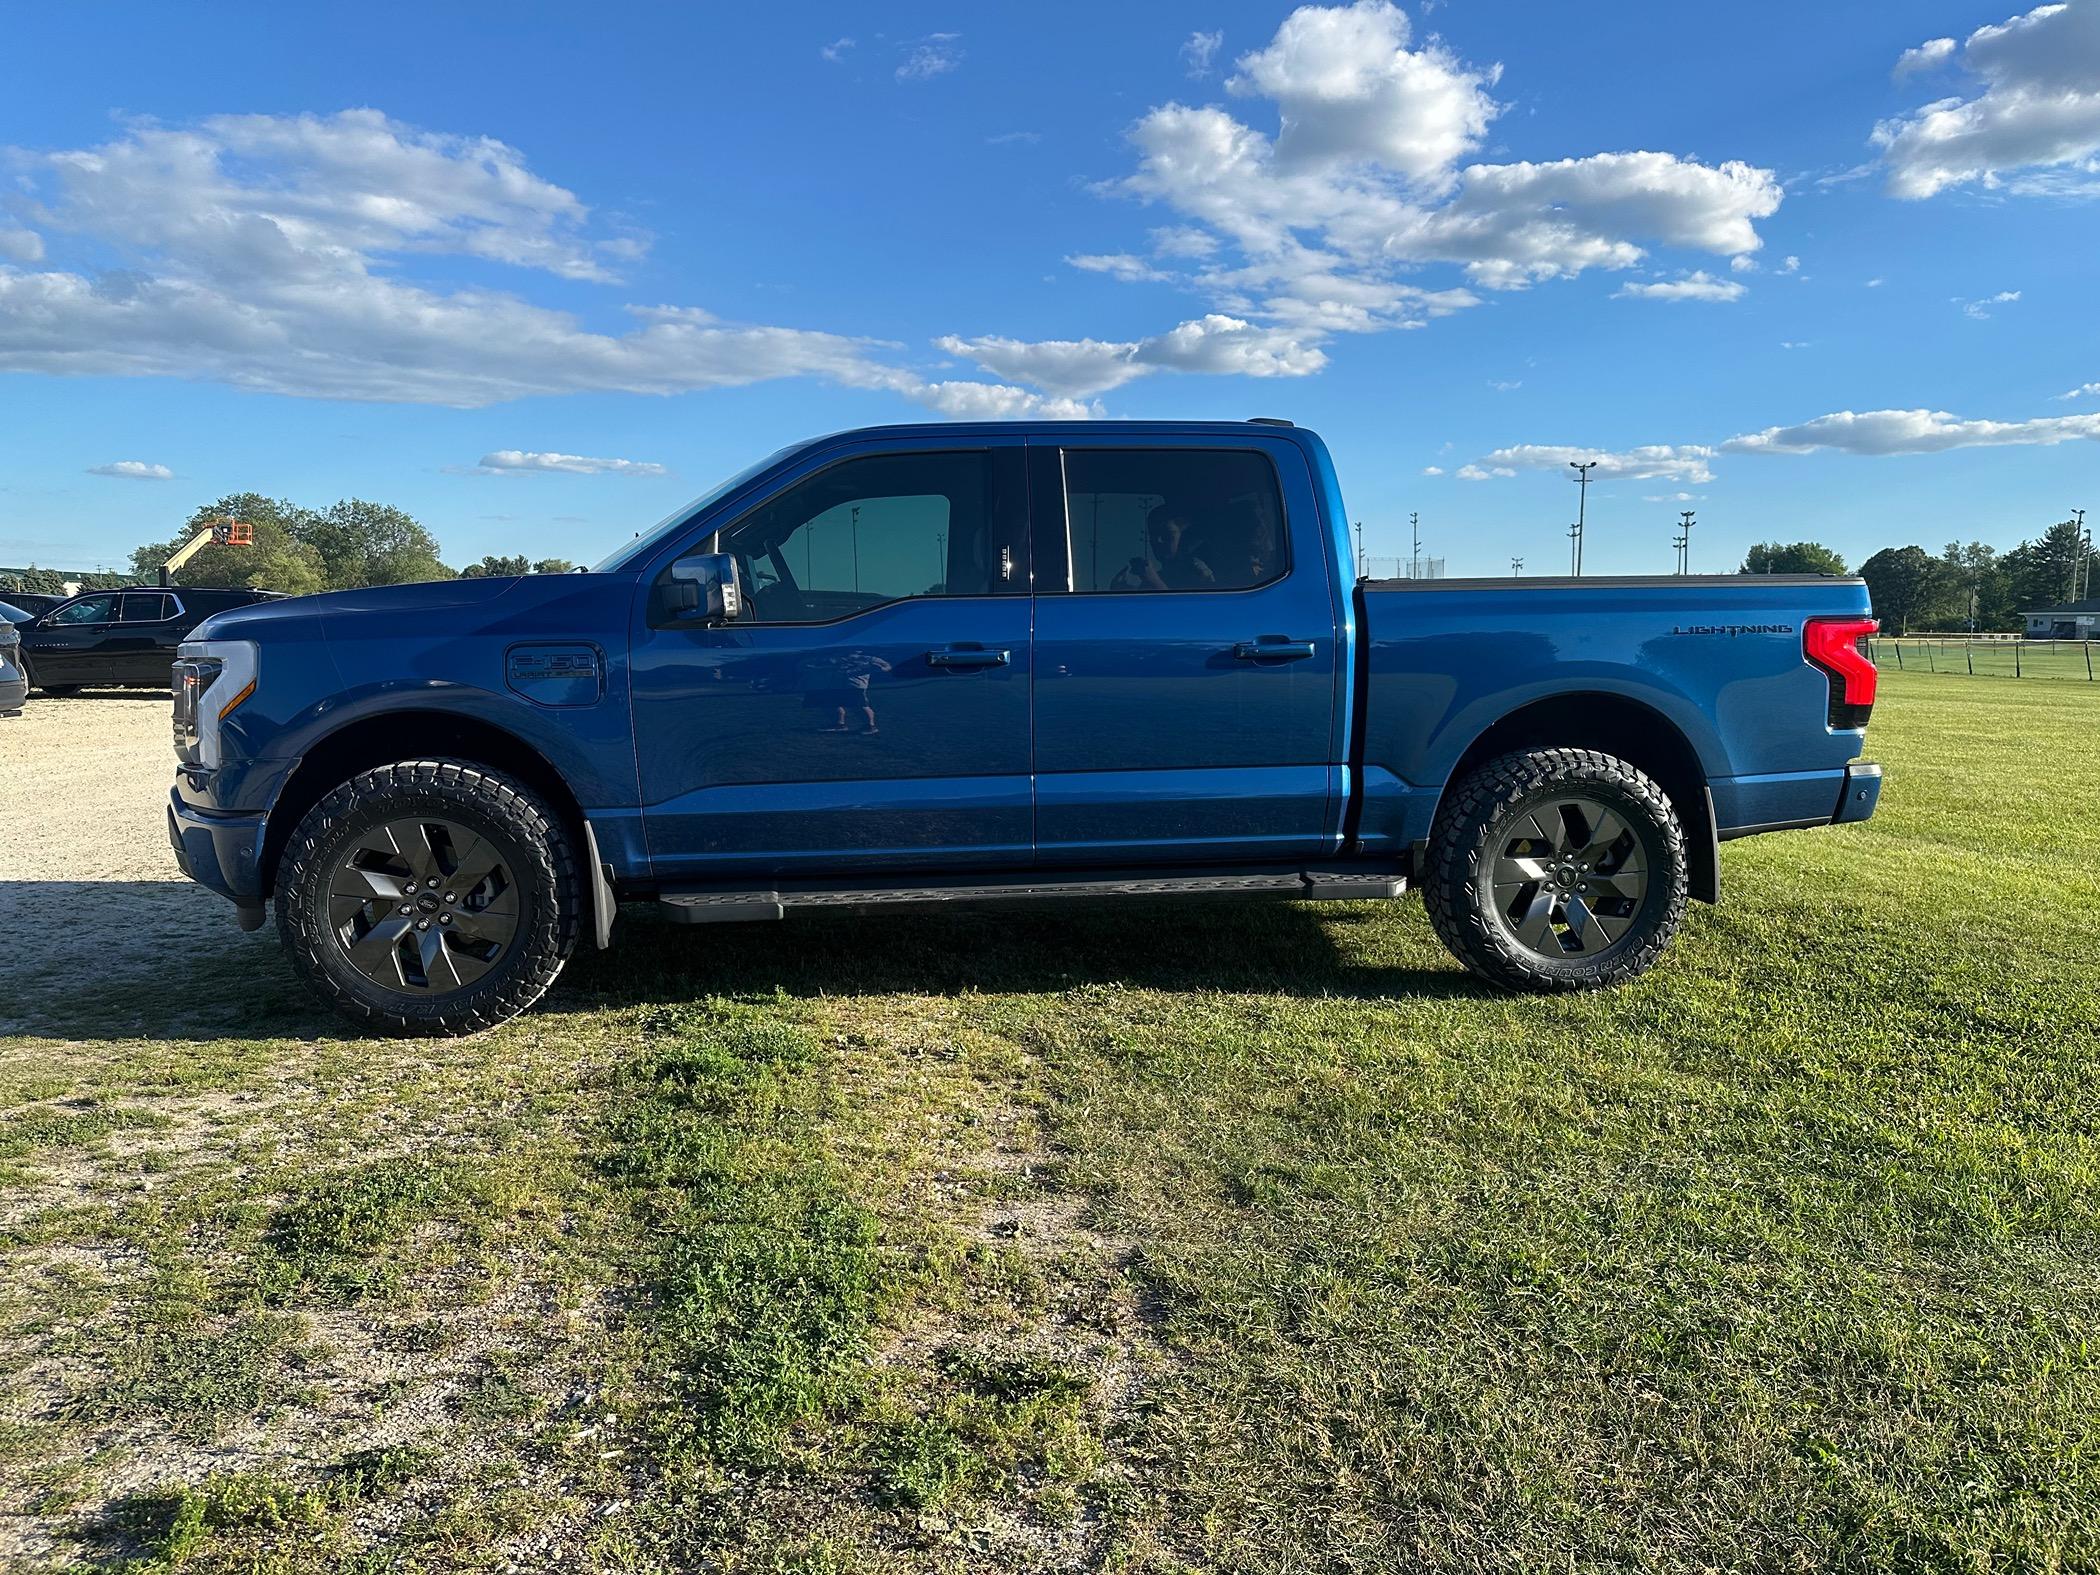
<point x="1743" y="264"/>
<point x="837" y="50"/>
<point x="1653" y="462"/>
<point x="1214" y="344"/>
<point x="1699" y="286"/>
<point x="1980" y="309"/>
<point x="2082" y="391"/>
<point x="1348" y="88"/>
<point x="1883" y="432"/>
<point x="1432" y="470"/>
<point x="2033" y="128"/>
<point x="1325" y="224"/>
<point x="1790" y="265"/>
<point x="1928" y="56"/>
<point x="287" y="255"/>
<point x="1184" y="241"/>
<point x="1875" y="284"/>
<point x="1673" y="497"/>
<point x="1121" y="265"/>
<point x="22" y="246"/>
<point x="967" y="401"/>
<point x="934" y="55"/>
<point x="133" y="470"/>
<point x="511" y="461"/>
<point x="1478" y="473"/>
<point x="1504" y="386"/>
<point x="1199" y="50"/>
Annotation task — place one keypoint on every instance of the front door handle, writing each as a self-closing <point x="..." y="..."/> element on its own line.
<point x="968" y="656"/>
<point x="1273" y="650"/>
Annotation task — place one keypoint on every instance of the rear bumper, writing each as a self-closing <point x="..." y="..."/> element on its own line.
<point x="1748" y="806"/>
<point x="1862" y="793"/>
<point x="222" y="852"/>
<point x="14" y="684"/>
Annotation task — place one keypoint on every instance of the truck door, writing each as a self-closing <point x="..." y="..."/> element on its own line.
<point x="1187" y="681"/>
<point x="66" y="647"/>
<point x="868" y="707"/>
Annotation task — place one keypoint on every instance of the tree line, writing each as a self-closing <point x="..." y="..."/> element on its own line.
<point x="296" y="550"/>
<point x="1965" y="586"/>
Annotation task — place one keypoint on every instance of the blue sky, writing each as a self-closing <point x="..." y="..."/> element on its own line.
<point x="1813" y="271"/>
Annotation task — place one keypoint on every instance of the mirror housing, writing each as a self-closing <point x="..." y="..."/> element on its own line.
<point x="704" y="587"/>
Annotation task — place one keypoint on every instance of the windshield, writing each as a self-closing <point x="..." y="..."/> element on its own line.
<point x="653" y="538"/>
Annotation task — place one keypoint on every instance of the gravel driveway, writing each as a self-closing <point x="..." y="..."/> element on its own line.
<point x="91" y="903"/>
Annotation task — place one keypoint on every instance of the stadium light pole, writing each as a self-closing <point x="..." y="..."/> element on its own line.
<point x="1684" y="542"/>
<point x="1575" y="549"/>
<point x="1582" y="469"/>
<point x="1363" y="564"/>
<point x="1414" y="523"/>
<point x="1516" y="568"/>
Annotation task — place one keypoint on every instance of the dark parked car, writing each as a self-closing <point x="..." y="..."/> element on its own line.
<point x="31" y="603"/>
<point x="124" y="636"/>
<point x="14" y="688"/>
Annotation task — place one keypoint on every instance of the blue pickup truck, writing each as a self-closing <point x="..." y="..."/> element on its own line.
<point x="996" y="663"/>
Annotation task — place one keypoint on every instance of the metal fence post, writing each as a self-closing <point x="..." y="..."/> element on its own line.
<point x="2088" y="661"/>
<point x="1969" y="651"/>
<point x="1899" y="654"/>
<point x="2016" y="658"/>
<point x="1928" y="660"/>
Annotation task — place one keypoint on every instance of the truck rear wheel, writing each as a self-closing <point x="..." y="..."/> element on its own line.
<point x="429" y="897"/>
<point x="1556" y="869"/>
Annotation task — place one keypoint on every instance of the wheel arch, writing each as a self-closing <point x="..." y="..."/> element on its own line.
<point x="1638" y="734"/>
<point x="390" y="736"/>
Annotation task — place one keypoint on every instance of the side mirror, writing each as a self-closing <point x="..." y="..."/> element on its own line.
<point x="703" y="586"/>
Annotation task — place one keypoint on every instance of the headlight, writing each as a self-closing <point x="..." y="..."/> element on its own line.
<point x="212" y="678"/>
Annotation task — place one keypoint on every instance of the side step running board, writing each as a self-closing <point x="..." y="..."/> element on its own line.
<point x="714" y="905"/>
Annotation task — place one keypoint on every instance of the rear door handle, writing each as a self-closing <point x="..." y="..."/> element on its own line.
<point x="968" y="656"/>
<point x="1273" y="650"/>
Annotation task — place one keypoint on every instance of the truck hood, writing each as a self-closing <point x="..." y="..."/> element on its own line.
<point x="243" y="623"/>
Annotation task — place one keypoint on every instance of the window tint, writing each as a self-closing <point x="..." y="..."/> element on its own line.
<point x="1172" y="519"/>
<point x="870" y="531"/>
<point x="145" y="607"/>
<point x="89" y="609"/>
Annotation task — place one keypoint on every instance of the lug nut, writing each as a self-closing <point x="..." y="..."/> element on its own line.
<point x="407" y="908"/>
<point x="444" y="918"/>
<point x="452" y="896"/>
<point x="422" y="924"/>
<point x="411" y="886"/>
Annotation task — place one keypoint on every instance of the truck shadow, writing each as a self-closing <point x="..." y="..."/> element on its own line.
<point x="1238" y="947"/>
<point x="162" y="960"/>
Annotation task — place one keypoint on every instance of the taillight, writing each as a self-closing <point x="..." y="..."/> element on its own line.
<point x="1839" y="647"/>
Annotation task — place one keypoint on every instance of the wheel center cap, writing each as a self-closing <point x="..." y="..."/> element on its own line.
<point x="428" y="902"/>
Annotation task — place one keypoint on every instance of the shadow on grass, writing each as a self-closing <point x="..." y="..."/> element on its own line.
<point x="1236" y="946"/>
<point x="163" y="960"/>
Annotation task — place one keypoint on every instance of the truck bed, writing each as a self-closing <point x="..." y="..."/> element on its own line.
<point x="1454" y="670"/>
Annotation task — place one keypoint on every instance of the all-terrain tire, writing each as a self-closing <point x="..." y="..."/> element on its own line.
<point x="1487" y="807"/>
<point x="530" y="837"/>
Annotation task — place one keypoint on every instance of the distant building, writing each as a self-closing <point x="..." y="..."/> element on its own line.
<point x="2072" y="621"/>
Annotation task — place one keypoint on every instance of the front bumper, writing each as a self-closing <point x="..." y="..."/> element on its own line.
<point x="222" y="852"/>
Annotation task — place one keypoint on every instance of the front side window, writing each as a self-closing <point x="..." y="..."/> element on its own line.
<point x="870" y="531"/>
<point x="89" y="609"/>
<point x="1172" y="519"/>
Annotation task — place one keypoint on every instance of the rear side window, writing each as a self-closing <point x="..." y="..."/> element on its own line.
<point x="146" y="607"/>
<point x="1173" y="519"/>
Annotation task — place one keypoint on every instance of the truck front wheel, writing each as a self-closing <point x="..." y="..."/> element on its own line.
<point x="429" y="897"/>
<point x="1556" y="869"/>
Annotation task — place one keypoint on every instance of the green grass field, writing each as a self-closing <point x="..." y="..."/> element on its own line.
<point x="1175" y="1238"/>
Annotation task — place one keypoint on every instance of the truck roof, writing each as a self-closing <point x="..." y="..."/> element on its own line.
<point x="1065" y="428"/>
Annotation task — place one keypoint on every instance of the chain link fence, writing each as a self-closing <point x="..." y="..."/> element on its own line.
<point x="1985" y="656"/>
